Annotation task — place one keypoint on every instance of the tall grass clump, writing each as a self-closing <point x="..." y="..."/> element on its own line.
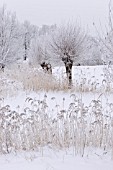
<point x="78" y="127"/>
<point x="35" y="79"/>
<point x="8" y="85"/>
<point x="85" y="79"/>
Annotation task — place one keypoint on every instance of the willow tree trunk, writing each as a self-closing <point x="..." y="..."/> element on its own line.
<point x="68" y="66"/>
<point x="69" y="74"/>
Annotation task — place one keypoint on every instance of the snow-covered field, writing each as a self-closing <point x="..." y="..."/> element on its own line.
<point x="55" y="160"/>
<point x="93" y="94"/>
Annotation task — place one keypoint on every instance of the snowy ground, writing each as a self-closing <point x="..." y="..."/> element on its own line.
<point x="54" y="159"/>
<point x="94" y="83"/>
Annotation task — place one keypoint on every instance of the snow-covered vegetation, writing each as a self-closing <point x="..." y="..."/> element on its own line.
<point x="37" y="120"/>
<point x="54" y="99"/>
<point x="77" y="127"/>
<point x="37" y="124"/>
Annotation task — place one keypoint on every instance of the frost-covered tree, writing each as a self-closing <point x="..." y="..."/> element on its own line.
<point x="106" y="45"/>
<point x="9" y="35"/>
<point x="92" y="55"/>
<point x="105" y="38"/>
<point x="28" y="33"/>
<point x="40" y="53"/>
<point x="47" y="29"/>
<point x="68" y="43"/>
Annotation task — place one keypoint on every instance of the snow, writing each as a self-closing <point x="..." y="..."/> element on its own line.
<point x="47" y="158"/>
<point x="54" y="160"/>
<point x="88" y="76"/>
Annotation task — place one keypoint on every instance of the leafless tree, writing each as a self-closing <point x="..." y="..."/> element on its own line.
<point x="105" y="37"/>
<point x="40" y="53"/>
<point x="68" y="44"/>
<point x="8" y="34"/>
<point x="28" y="33"/>
<point x="105" y="41"/>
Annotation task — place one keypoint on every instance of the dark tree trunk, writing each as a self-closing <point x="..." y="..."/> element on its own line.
<point x="68" y="65"/>
<point x="26" y="46"/>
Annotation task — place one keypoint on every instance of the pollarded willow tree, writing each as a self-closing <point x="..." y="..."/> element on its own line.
<point x="68" y="43"/>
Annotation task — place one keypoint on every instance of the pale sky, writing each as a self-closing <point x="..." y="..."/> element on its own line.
<point x="49" y="12"/>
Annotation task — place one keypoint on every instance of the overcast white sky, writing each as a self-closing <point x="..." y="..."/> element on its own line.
<point x="41" y="12"/>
